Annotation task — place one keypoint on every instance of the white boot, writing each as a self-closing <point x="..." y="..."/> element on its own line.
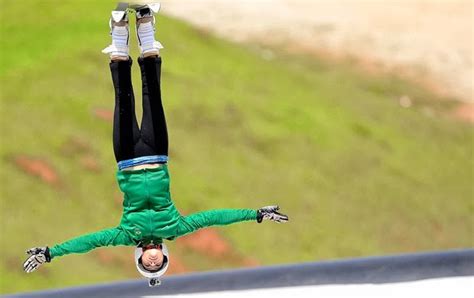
<point x="146" y="32"/>
<point x="120" y="36"/>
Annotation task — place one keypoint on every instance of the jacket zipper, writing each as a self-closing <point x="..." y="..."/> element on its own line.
<point x="149" y="205"/>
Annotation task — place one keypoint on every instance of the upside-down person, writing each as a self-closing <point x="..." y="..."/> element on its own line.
<point x="149" y="215"/>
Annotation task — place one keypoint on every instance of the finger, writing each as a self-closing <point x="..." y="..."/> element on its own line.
<point x="281" y="219"/>
<point x="28" y="269"/>
<point x="26" y="265"/>
<point x="273" y="208"/>
<point x="282" y="215"/>
<point x="31" y="267"/>
<point x="27" y="262"/>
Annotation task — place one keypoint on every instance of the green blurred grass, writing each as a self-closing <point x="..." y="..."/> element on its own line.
<point x="358" y="174"/>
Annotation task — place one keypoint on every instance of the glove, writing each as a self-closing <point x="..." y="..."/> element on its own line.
<point x="271" y="213"/>
<point x="37" y="257"/>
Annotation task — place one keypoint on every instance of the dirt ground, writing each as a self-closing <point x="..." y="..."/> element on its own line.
<point x="429" y="42"/>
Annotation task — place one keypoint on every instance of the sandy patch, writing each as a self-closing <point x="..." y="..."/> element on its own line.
<point x="177" y="266"/>
<point x="207" y="242"/>
<point x="37" y="167"/>
<point x="465" y="112"/>
<point x="104" y="114"/>
<point x="75" y="146"/>
<point x="81" y="151"/>
<point x="90" y="163"/>
<point x="430" y="42"/>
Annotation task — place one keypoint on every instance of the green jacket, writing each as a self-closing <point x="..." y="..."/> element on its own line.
<point x="149" y="215"/>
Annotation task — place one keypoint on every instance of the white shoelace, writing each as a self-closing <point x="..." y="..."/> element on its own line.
<point x="146" y="36"/>
<point x="120" y="36"/>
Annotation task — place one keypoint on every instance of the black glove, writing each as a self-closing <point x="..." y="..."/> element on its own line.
<point x="37" y="257"/>
<point x="271" y="213"/>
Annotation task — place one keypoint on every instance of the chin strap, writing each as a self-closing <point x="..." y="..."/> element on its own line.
<point x="154" y="282"/>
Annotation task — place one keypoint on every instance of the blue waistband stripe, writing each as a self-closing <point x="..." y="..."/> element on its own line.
<point x="141" y="161"/>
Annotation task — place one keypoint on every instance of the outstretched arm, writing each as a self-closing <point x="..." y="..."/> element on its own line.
<point x="220" y="217"/>
<point x="81" y="244"/>
<point x="217" y="217"/>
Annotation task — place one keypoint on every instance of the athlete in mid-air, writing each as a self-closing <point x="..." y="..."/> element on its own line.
<point x="149" y="215"/>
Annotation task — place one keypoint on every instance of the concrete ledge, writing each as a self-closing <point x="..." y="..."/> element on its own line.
<point x="377" y="270"/>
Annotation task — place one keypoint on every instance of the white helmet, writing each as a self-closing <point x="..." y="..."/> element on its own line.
<point x="153" y="277"/>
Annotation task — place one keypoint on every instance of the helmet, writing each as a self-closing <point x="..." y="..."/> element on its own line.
<point x="153" y="277"/>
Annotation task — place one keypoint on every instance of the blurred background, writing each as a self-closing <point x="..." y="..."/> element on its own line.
<point x="356" y="117"/>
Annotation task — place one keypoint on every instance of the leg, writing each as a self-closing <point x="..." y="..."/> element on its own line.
<point x="125" y="130"/>
<point x="153" y="128"/>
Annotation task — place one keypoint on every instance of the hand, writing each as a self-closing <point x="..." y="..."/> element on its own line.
<point x="271" y="213"/>
<point x="37" y="257"/>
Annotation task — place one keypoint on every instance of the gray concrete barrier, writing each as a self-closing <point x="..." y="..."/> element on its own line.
<point x="376" y="270"/>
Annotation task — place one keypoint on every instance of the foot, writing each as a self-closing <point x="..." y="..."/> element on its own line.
<point x="119" y="49"/>
<point x="146" y="32"/>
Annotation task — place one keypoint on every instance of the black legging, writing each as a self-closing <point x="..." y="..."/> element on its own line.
<point x="129" y="140"/>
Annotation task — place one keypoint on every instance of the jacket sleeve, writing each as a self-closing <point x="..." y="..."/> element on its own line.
<point x="82" y="244"/>
<point x="218" y="217"/>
